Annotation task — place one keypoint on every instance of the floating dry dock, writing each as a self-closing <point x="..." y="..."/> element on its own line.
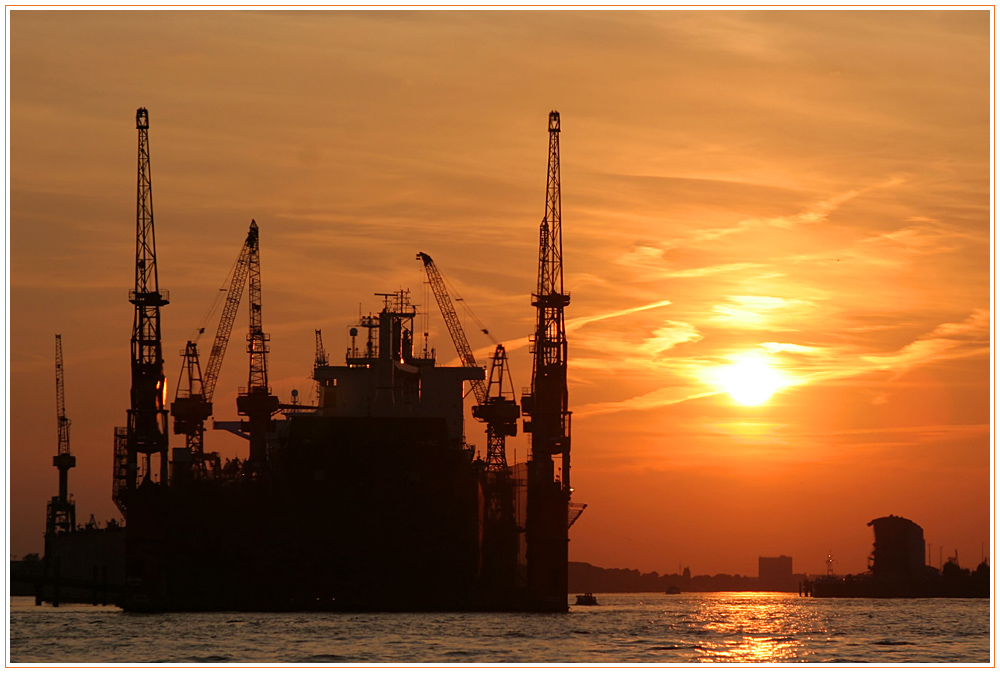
<point x="370" y="500"/>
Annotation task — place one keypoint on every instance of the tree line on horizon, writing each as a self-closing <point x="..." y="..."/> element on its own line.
<point x="584" y="577"/>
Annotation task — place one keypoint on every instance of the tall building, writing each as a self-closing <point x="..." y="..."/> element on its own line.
<point x="775" y="573"/>
<point x="899" y="547"/>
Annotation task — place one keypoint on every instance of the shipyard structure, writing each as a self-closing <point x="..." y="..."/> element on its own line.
<point x="370" y="500"/>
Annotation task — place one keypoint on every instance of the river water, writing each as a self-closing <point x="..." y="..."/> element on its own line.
<point x="623" y="628"/>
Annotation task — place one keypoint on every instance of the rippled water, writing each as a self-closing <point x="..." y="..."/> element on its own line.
<point x="624" y="628"/>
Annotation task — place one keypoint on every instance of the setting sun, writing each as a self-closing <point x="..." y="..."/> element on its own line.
<point x="750" y="381"/>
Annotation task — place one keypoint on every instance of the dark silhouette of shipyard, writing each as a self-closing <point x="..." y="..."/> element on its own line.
<point x="368" y="500"/>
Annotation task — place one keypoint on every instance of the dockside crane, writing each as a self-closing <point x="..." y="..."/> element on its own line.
<point x="547" y="407"/>
<point x="322" y="360"/>
<point x="141" y="447"/>
<point x="500" y="413"/>
<point x="452" y="322"/>
<point x="501" y="534"/>
<point x="61" y="514"/>
<point x="192" y="404"/>
<point x="256" y="402"/>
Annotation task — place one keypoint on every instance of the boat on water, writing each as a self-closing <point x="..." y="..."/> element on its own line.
<point x="586" y="599"/>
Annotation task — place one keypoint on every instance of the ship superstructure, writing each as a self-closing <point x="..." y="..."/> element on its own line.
<point x="384" y="378"/>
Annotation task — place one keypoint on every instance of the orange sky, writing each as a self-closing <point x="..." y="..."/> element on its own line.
<point x="809" y="186"/>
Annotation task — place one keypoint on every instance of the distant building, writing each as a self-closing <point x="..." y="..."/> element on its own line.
<point x="775" y="574"/>
<point x="899" y="547"/>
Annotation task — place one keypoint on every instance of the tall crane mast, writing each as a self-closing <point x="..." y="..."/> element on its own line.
<point x="61" y="515"/>
<point x="322" y="360"/>
<point x="547" y="405"/>
<point x="144" y="441"/>
<point x="452" y="322"/>
<point x="193" y="402"/>
<point x="256" y="402"/>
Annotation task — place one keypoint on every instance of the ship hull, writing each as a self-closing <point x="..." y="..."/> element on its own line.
<point x="360" y="514"/>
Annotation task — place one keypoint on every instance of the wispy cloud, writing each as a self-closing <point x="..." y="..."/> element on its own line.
<point x="775" y="347"/>
<point x="711" y="270"/>
<point x="669" y="335"/>
<point x="753" y="312"/>
<point x="967" y="338"/>
<point x="921" y="239"/>
<point x="816" y="213"/>
<point x="651" y="263"/>
<point x="576" y="323"/>
<point x="653" y="400"/>
<point x="947" y="341"/>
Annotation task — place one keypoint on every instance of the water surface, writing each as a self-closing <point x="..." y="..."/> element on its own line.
<point x="623" y="628"/>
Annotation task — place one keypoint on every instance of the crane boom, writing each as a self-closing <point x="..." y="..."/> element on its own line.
<point x="451" y="320"/>
<point x="214" y="366"/>
<point x="61" y="401"/>
<point x="193" y="402"/>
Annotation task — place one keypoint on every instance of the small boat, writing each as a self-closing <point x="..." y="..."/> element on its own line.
<point x="586" y="599"/>
<point x="673" y="590"/>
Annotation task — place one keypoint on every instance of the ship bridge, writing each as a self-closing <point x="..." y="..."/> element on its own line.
<point x="384" y="377"/>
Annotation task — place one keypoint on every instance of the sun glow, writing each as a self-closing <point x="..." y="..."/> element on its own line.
<point x="750" y="381"/>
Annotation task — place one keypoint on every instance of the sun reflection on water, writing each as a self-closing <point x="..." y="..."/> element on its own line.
<point x="753" y="650"/>
<point x="753" y="628"/>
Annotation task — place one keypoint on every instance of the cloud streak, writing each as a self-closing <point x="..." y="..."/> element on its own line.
<point x="576" y="323"/>
<point x="947" y="341"/>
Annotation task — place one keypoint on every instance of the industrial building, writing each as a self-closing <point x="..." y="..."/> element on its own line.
<point x="775" y="574"/>
<point x="899" y="548"/>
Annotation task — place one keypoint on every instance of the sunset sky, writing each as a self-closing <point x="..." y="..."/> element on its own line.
<point x="809" y="190"/>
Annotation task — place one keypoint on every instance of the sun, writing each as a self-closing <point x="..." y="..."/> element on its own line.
<point x="751" y="381"/>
